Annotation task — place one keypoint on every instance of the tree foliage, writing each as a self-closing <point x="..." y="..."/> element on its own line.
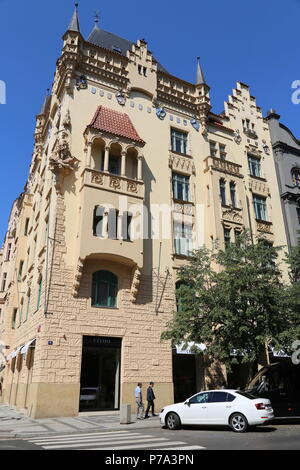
<point x="234" y="301"/>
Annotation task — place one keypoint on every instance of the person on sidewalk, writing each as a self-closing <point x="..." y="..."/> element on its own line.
<point x="150" y="399"/>
<point x="139" y="401"/>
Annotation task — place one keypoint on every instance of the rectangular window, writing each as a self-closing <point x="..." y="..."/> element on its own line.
<point x="260" y="208"/>
<point x="3" y="284"/>
<point x="181" y="186"/>
<point x="39" y="294"/>
<point x="113" y="217"/>
<point x="98" y="227"/>
<point x="213" y="148"/>
<point x="183" y="238"/>
<point x="222" y="152"/>
<point x="227" y="237"/>
<point x="126" y="226"/>
<point x="233" y="194"/>
<point x="26" y="226"/>
<point x="179" y="141"/>
<point x="20" y="270"/>
<point x="223" y="192"/>
<point x="254" y="166"/>
<point x="8" y="253"/>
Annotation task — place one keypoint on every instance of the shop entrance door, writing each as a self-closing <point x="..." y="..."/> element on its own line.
<point x="100" y="374"/>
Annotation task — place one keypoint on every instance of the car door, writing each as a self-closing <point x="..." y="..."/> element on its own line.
<point x="195" y="409"/>
<point x="219" y="407"/>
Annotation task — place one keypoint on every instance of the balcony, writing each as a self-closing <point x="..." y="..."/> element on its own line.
<point x="225" y="166"/>
<point x="250" y="133"/>
<point x="114" y="183"/>
<point x="264" y="226"/>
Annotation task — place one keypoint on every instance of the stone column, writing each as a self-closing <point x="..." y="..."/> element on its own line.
<point x="89" y="155"/>
<point x="140" y="167"/>
<point x="123" y="163"/>
<point x="106" y="159"/>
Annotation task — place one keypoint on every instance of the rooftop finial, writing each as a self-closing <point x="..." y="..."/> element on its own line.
<point x="96" y="20"/>
<point x="74" y="25"/>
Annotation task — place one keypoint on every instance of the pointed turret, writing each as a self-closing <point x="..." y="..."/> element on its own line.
<point x="74" y="25"/>
<point x="200" y="80"/>
<point x="45" y="104"/>
<point x="202" y="96"/>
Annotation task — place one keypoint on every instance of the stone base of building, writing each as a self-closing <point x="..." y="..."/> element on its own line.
<point x="44" y="400"/>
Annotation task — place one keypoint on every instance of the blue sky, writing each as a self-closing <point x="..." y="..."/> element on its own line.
<point x="254" y="42"/>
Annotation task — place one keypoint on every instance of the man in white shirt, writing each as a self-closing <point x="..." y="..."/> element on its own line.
<point x="139" y="401"/>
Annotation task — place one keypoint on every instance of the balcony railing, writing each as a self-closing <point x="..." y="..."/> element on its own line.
<point x="223" y="165"/>
<point x="114" y="183"/>
<point x="264" y="226"/>
<point x="250" y="133"/>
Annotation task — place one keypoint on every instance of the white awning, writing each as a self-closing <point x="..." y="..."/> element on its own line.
<point x="26" y="347"/>
<point x="180" y="350"/>
<point x="16" y="352"/>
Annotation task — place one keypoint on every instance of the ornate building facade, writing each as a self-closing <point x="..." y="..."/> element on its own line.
<point x="286" y="152"/>
<point x="130" y="171"/>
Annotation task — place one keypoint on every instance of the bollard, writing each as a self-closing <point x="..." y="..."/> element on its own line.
<point x="125" y="414"/>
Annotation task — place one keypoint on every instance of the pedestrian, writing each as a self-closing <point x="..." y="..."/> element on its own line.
<point x="150" y="399"/>
<point x="139" y="401"/>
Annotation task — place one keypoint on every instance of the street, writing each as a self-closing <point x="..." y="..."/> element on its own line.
<point x="278" y="436"/>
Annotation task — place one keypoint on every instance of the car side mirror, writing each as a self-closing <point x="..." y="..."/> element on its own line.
<point x="187" y="402"/>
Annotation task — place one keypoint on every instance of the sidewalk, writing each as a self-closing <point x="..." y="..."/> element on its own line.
<point x="16" y="424"/>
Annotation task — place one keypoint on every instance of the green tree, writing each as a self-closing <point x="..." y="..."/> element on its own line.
<point x="232" y="300"/>
<point x="293" y="291"/>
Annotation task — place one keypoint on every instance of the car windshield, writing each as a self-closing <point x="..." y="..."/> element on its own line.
<point x="246" y="395"/>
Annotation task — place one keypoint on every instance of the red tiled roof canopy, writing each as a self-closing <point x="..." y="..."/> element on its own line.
<point x="114" y="122"/>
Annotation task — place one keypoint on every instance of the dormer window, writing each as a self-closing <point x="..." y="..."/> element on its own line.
<point x="116" y="49"/>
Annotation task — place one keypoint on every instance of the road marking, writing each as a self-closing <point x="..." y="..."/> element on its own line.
<point x="174" y="443"/>
<point x="182" y="448"/>
<point x="86" y="438"/>
<point x="33" y="439"/>
<point x="124" y="441"/>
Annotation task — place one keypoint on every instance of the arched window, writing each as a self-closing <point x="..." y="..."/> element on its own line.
<point x="296" y="176"/>
<point x="104" y="289"/>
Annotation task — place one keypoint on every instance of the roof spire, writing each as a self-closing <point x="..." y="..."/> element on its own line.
<point x="96" y="20"/>
<point x="74" y="25"/>
<point x="200" y="80"/>
<point x="45" y="103"/>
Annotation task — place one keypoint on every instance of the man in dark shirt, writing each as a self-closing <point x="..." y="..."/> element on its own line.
<point x="150" y="399"/>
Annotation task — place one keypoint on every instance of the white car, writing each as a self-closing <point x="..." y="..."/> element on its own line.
<point x="237" y="409"/>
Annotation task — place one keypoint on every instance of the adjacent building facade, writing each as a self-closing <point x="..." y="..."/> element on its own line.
<point x="286" y="151"/>
<point x="131" y="170"/>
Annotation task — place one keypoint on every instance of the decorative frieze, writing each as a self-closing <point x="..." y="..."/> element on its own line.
<point x="232" y="215"/>
<point x="264" y="226"/>
<point x="120" y="184"/>
<point x="224" y="166"/>
<point x="259" y="187"/>
<point x="185" y="164"/>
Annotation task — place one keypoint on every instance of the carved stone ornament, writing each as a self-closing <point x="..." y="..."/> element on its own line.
<point x="135" y="285"/>
<point x="195" y="123"/>
<point x="237" y="137"/>
<point x="81" y="83"/>
<point x="115" y="182"/>
<point x="132" y="187"/>
<point x="266" y="148"/>
<point x="121" y="97"/>
<point x="62" y="159"/>
<point x="232" y="216"/>
<point x="97" y="178"/>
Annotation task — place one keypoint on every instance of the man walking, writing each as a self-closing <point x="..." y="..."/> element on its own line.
<point x="150" y="399"/>
<point x="139" y="401"/>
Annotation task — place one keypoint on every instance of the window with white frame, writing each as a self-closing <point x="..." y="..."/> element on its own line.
<point x="260" y="207"/>
<point x="183" y="238"/>
<point x="179" y="141"/>
<point x="254" y="166"/>
<point x="181" y="186"/>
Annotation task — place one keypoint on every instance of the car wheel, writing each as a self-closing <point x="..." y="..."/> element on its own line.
<point x="238" y="422"/>
<point x="173" y="421"/>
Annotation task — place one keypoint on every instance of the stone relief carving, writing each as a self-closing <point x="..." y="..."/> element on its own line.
<point x="237" y="137"/>
<point x="182" y="163"/>
<point x="232" y="216"/>
<point x="135" y="285"/>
